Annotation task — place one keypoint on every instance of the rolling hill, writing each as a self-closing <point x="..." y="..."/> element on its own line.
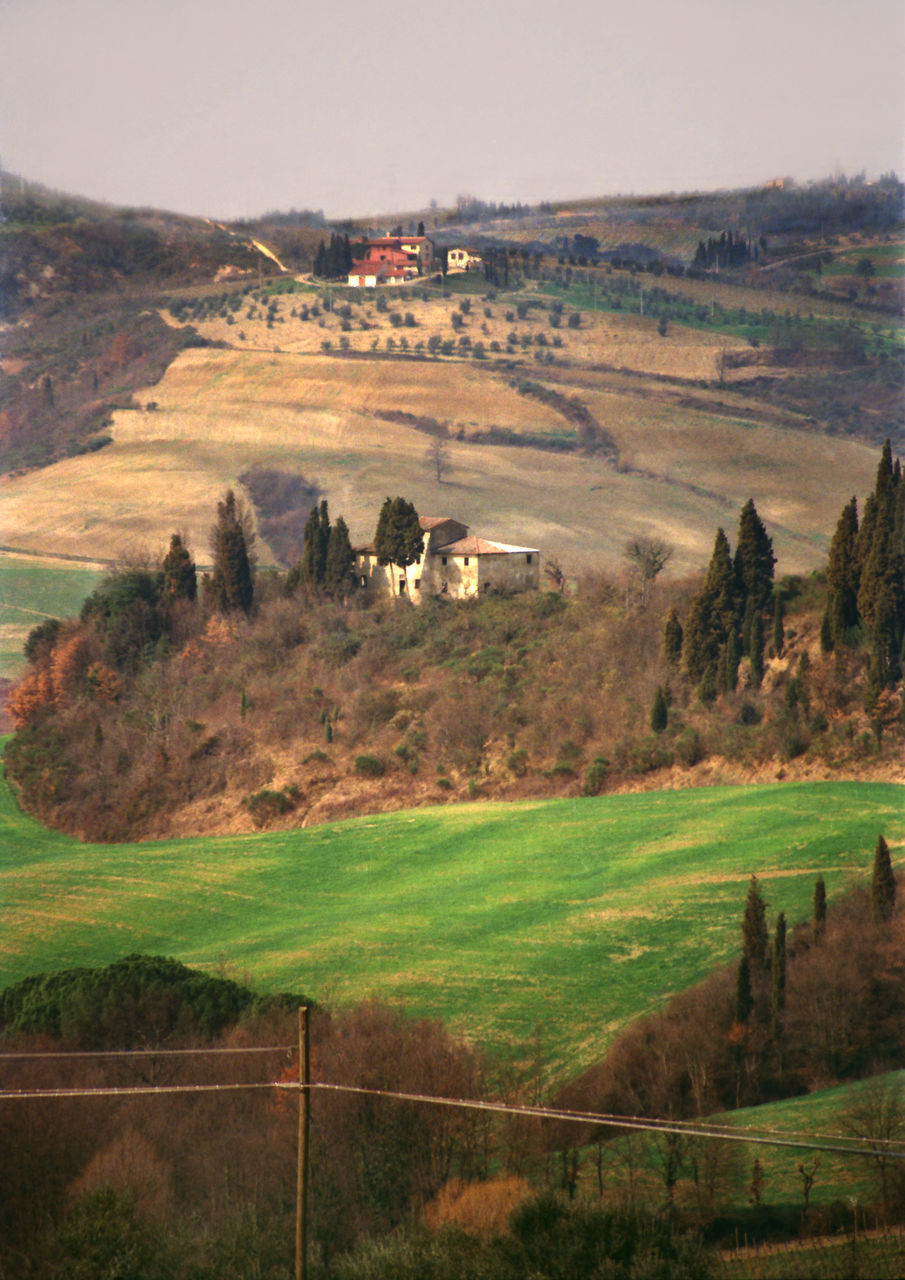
<point x="547" y="924"/>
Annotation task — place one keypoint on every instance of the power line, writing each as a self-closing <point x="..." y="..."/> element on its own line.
<point x="130" y="1090"/>
<point x="144" y="1053"/>
<point x="835" y="1143"/>
<point x="690" y="1128"/>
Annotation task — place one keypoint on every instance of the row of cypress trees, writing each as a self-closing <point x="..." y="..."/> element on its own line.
<point x="333" y="261"/>
<point x="725" y="620"/>
<point x="866" y="578"/>
<point x="327" y="557"/>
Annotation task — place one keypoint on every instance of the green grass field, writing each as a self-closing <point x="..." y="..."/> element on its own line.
<point x="819" y="1115"/>
<point x="888" y="260"/>
<point x="554" y="922"/>
<point x="32" y="591"/>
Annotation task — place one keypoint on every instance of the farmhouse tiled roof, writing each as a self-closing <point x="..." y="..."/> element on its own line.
<point x="473" y="546"/>
<point x="430" y="522"/>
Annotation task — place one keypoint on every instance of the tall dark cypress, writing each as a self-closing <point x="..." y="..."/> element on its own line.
<point x="778" y="973"/>
<point x="398" y="539"/>
<point x="232" y="585"/>
<point x="340" y="559"/>
<point x="883" y="883"/>
<point x="754" y="559"/>
<point x="744" y="999"/>
<point x="178" y="570"/>
<point x="712" y="612"/>
<point x="843" y="574"/>
<point x="315" y="539"/>
<point x="819" y="908"/>
<point x="672" y="639"/>
<point x="754" y="927"/>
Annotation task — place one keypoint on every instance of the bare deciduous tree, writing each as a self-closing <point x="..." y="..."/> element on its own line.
<point x="554" y="571"/>
<point x="436" y="456"/>
<point x="648" y="557"/>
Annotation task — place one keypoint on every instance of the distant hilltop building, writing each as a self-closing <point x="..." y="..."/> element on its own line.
<point x="453" y="564"/>
<point x="388" y="260"/>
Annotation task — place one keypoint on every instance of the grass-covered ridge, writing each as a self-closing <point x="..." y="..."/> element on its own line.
<point x="557" y="921"/>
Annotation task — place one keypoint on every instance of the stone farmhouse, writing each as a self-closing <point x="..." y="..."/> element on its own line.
<point x="453" y="564"/>
<point x="388" y="260"/>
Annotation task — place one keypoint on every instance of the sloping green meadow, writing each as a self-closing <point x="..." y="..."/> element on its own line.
<point x="553" y="923"/>
<point x="822" y="1117"/>
<point x="31" y="592"/>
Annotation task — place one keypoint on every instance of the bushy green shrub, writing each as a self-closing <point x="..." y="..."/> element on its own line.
<point x="370" y="766"/>
<point x="595" y="776"/>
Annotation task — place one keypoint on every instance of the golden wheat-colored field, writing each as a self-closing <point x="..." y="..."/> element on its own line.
<point x="683" y="470"/>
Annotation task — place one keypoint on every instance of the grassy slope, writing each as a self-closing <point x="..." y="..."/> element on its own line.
<point x="818" y="1116"/>
<point x="31" y="591"/>
<point x="570" y="917"/>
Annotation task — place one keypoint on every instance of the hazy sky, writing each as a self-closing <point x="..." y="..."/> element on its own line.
<point x="234" y="107"/>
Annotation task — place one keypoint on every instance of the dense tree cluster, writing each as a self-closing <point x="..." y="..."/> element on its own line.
<point x="327" y="558"/>
<point x="141" y="999"/>
<point x="866" y="578"/>
<point x="398" y="539"/>
<point x="333" y="261"/>
<point x="821" y="1002"/>
<point x="726" y="251"/>
<point x="725" y="620"/>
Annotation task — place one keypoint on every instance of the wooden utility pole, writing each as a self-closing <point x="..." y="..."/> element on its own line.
<point x="301" y="1203"/>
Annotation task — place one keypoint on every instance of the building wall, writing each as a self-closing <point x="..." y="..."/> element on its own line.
<point x="461" y="576"/>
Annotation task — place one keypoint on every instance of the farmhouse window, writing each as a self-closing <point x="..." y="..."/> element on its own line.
<point x="401" y="585"/>
<point x="417" y="584"/>
<point x="466" y="560"/>
<point x="527" y="559"/>
<point x="443" y="560"/>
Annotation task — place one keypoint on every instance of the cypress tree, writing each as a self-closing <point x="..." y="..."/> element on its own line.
<point x="732" y="661"/>
<point x="712" y="613"/>
<point x="754" y="927"/>
<point x="232" y="585"/>
<point x="754" y="558"/>
<point x="398" y="539"/>
<point x="819" y="909"/>
<point x="178" y="572"/>
<point x="707" y="689"/>
<point x="756" y="653"/>
<point x="843" y="574"/>
<point x="744" y="999"/>
<point x="883" y="883"/>
<point x="340" y="557"/>
<point x="672" y="639"/>
<point x="865" y="538"/>
<point x="778" y="973"/>
<point x="779" y="610"/>
<point x="315" y="540"/>
<point x="659" y="715"/>
<point x="827" y="644"/>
